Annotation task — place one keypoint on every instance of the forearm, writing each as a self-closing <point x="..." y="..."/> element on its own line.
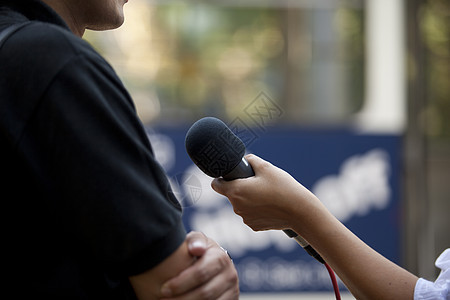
<point x="366" y="273"/>
<point x="198" y="269"/>
<point x="147" y="286"/>
<point x="273" y="199"/>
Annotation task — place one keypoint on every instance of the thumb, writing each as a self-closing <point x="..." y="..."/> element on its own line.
<point x="256" y="162"/>
<point x="252" y="158"/>
<point x="197" y="243"/>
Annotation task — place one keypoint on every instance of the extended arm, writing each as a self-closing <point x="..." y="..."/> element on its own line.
<point x="366" y="273"/>
<point x="272" y="199"/>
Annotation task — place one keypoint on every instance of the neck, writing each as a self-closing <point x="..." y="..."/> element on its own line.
<point x="68" y="14"/>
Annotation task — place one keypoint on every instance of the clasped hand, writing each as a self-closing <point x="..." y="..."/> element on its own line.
<point x="211" y="276"/>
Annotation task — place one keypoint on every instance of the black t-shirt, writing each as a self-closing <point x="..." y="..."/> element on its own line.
<point x="84" y="203"/>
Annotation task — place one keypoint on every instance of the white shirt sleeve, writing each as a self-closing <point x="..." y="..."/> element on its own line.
<point x="440" y="289"/>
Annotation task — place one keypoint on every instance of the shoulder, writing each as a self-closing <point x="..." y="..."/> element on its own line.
<point x="43" y="49"/>
<point x="42" y="43"/>
<point x="37" y="53"/>
<point x="41" y="57"/>
<point x="443" y="261"/>
<point x="439" y="289"/>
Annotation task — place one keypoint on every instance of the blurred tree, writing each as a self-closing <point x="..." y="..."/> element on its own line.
<point x="182" y="60"/>
<point x="435" y="25"/>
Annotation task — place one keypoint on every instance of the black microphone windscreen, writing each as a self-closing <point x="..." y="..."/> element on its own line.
<point x="213" y="147"/>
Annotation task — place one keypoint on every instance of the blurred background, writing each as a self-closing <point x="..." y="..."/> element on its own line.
<point x="351" y="97"/>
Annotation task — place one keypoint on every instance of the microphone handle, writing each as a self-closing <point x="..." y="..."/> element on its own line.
<point x="242" y="170"/>
<point x="305" y="245"/>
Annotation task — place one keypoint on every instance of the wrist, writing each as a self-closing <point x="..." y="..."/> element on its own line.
<point x="309" y="217"/>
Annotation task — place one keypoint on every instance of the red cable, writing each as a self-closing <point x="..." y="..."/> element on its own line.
<point x="334" y="281"/>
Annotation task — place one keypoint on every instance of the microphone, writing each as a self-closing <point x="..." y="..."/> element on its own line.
<point x="218" y="152"/>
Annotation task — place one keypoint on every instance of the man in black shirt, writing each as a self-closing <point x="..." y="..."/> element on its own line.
<point x="87" y="211"/>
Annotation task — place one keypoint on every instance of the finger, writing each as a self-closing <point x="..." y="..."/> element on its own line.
<point x="230" y="294"/>
<point x="218" y="185"/>
<point x="224" y="187"/>
<point x="257" y="162"/>
<point x="207" y="292"/>
<point x="197" y="243"/>
<point x="223" y="286"/>
<point x="200" y="273"/>
<point x="253" y="159"/>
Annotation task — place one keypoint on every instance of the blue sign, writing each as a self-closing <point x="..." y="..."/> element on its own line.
<point x="356" y="176"/>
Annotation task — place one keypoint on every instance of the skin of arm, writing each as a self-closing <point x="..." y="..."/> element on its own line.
<point x="147" y="285"/>
<point x="198" y="269"/>
<point x="273" y="199"/>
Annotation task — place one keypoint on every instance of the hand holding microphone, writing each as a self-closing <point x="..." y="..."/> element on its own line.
<point x="263" y="201"/>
